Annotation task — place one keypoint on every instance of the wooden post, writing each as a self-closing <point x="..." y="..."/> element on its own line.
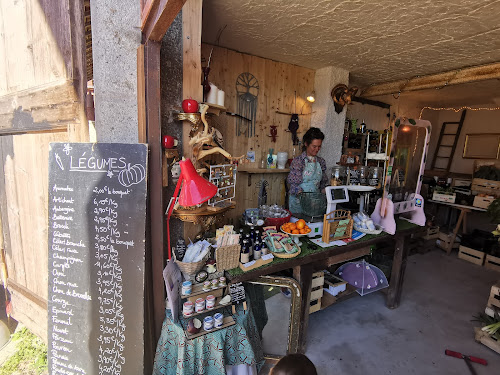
<point x="155" y="206"/>
<point x="463" y="212"/>
<point x="303" y="274"/>
<point x="191" y="74"/>
<point x="398" y="271"/>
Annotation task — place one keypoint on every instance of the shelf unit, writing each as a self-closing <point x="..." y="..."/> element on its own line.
<point x="251" y="171"/>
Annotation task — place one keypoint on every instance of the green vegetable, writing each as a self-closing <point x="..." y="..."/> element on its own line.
<point x="492" y="324"/>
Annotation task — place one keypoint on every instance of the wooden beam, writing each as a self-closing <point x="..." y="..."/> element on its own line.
<point x="454" y="77"/>
<point x="191" y="73"/>
<point x="155" y="202"/>
<point x="157" y="16"/>
<point x="141" y="95"/>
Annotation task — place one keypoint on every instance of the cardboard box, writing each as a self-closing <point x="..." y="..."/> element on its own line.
<point x="482" y="202"/>
<point x="446" y="198"/>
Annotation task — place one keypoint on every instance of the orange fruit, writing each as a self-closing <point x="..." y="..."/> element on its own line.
<point x="301" y="224"/>
<point x="302" y="231"/>
<point x="295" y="231"/>
<point x="293" y="226"/>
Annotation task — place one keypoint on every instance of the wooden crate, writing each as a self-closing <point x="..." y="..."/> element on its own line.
<point x="316" y="291"/>
<point x="471" y="255"/>
<point x="487" y="340"/>
<point x="444" y="239"/>
<point x="482" y="202"/>
<point x="432" y="233"/>
<point x="337" y="225"/>
<point x="493" y="304"/>
<point x="492" y="263"/>
<point x="489" y="187"/>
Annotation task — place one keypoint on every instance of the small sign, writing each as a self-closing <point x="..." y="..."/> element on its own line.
<point x="237" y="291"/>
<point x="180" y="249"/>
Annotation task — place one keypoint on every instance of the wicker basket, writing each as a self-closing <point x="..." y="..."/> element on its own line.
<point x="227" y="257"/>
<point x="286" y="255"/>
<point x="192" y="268"/>
<point x="333" y="229"/>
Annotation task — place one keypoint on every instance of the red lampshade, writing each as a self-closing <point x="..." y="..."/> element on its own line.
<point x="195" y="189"/>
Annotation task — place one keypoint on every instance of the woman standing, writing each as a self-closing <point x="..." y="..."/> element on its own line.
<point x="307" y="171"/>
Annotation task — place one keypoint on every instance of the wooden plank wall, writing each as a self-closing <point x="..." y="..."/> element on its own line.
<point x="42" y="90"/>
<point x="278" y="83"/>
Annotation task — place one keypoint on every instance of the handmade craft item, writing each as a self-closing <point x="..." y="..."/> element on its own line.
<point x="247" y="90"/>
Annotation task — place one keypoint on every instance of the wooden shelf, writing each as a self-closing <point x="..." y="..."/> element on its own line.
<point x="215" y="308"/>
<point x="261" y="170"/>
<point x="215" y="109"/>
<point x="205" y="216"/>
<point x="227" y="322"/>
<point x="197" y="289"/>
<point x="252" y="171"/>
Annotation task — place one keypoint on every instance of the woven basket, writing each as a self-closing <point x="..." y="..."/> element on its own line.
<point x="192" y="268"/>
<point x="227" y="257"/>
<point x="285" y="255"/>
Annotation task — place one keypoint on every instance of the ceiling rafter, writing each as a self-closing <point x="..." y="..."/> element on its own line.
<point x="435" y="81"/>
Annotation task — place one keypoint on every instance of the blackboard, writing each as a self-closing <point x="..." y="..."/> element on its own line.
<point x="237" y="291"/>
<point x="96" y="234"/>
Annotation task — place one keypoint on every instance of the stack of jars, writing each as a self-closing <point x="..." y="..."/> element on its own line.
<point x="357" y="175"/>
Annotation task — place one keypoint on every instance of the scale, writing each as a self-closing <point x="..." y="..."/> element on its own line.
<point x="334" y="195"/>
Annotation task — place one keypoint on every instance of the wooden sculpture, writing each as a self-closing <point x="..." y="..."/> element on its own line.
<point x="206" y="142"/>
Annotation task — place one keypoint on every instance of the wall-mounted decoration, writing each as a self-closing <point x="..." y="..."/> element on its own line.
<point x="247" y="90"/>
<point x="482" y="146"/>
<point x="342" y="95"/>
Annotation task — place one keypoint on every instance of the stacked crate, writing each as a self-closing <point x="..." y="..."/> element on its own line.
<point x="316" y="291"/>
<point x="492" y="307"/>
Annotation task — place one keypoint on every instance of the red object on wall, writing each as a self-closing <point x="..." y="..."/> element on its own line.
<point x="190" y="105"/>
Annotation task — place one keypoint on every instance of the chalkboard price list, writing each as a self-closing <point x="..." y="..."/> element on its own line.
<point x="108" y="243"/>
<point x="97" y="203"/>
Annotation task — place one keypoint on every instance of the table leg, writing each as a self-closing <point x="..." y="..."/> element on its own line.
<point x="464" y="223"/>
<point x="303" y="274"/>
<point x="455" y="231"/>
<point x="398" y="271"/>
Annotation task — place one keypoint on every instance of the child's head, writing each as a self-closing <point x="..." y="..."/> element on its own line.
<point x="294" y="364"/>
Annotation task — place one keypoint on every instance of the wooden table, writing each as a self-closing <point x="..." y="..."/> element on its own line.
<point x="462" y="220"/>
<point x="312" y="260"/>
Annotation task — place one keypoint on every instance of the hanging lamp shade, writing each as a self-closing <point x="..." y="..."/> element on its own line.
<point x="195" y="189"/>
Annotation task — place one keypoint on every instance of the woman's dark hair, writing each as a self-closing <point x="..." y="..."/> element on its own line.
<point x="294" y="364"/>
<point x="311" y="135"/>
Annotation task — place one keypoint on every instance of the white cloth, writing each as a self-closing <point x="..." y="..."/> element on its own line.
<point x="241" y="370"/>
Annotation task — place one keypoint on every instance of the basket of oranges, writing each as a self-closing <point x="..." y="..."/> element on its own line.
<point x="298" y="228"/>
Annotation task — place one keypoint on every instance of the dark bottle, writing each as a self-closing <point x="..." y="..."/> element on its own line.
<point x="245" y="252"/>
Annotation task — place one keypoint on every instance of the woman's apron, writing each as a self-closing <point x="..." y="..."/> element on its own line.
<point x="311" y="178"/>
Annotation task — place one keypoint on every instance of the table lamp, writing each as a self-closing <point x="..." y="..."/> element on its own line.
<point x="195" y="190"/>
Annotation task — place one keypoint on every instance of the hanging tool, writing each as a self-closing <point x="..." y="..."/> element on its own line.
<point x="467" y="359"/>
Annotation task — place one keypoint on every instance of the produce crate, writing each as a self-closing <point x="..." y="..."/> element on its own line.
<point x="335" y="286"/>
<point x="492" y="263"/>
<point x="446" y="198"/>
<point x="471" y="255"/>
<point x="487" y="340"/>
<point x="493" y="304"/>
<point x="432" y="233"/>
<point x="489" y="187"/>
<point x="316" y="291"/>
<point x="444" y="239"/>
<point x="482" y="202"/>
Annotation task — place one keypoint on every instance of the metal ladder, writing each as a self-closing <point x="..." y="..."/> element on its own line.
<point x="453" y="146"/>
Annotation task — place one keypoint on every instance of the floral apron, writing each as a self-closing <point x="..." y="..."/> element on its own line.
<point x="311" y="178"/>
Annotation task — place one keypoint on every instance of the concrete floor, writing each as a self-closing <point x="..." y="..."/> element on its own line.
<point x="440" y="295"/>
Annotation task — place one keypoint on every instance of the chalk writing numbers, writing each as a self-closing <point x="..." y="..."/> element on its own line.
<point x="89" y="244"/>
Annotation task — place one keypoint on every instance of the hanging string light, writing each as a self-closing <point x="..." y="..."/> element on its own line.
<point x="458" y="109"/>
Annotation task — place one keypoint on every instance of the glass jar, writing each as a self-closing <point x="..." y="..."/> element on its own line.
<point x="375" y="178"/>
<point x="354" y="176"/>
<point x="338" y="176"/>
<point x="363" y="175"/>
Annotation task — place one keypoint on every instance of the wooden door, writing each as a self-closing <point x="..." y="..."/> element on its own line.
<point x="42" y="86"/>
